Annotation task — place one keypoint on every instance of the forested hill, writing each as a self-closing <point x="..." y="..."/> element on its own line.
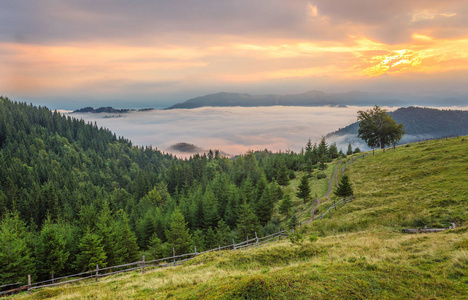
<point x="67" y="187"/>
<point x="420" y="123"/>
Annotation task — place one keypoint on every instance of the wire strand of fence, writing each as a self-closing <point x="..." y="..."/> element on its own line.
<point x="147" y="264"/>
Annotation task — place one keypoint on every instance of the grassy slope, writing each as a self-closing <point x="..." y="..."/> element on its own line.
<point x="360" y="254"/>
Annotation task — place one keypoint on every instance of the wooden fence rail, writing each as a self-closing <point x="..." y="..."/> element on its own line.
<point x="158" y="263"/>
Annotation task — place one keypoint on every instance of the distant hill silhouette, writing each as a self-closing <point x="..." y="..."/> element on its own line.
<point x="318" y="98"/>
<point x="107" y="109"/>
<point x="420" y="123"/>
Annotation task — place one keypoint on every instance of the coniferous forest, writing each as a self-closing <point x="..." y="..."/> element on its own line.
<point x="73" y="195"/>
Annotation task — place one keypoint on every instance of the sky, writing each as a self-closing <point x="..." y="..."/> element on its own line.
<point x="133" y="54"/>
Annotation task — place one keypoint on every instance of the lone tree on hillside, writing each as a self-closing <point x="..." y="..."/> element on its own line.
<point x="378" y="129"/>
<point x="304" y="189"/>
<point x="344" y="187"/>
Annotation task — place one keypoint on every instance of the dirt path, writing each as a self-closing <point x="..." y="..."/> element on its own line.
<point x="326" y="197"/>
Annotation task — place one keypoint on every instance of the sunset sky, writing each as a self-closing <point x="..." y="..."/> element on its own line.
<point x="68" y="54"/>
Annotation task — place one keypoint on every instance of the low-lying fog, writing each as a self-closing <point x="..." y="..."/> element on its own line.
<point x="233" y="130"/>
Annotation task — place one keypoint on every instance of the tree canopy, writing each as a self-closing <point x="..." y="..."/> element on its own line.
<point x="378" y="129"/>
<point x="344" y="187"/>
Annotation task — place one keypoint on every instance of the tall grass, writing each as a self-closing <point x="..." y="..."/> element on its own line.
<point x="360" y="253"/>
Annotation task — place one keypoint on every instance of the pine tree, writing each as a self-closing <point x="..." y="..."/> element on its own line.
<point x="247" y="222"/>
<point x="323" y="149"/>
<point x="293" y="221"/>
<point x="264" y="207"/>
<point x="211" y="240"/>
<point x="155" y="247"/>
<point x="127" y="241"/>
<point x="15" y="257"/>
<point x="350" y="150"/>
<point x="91" y="252"/>
<point x="333" y="151"/>
<point x="304" y="189"/>
<point x="210" y="207"/>
<point x="344" y="187"/>
<point x="105" y="228"/>
<point x="283" y="175"/>
<point x="223" y="233"/>
<point x="198" y="240"/>
<point x="177" y="234"/>
<point x="51" y="251"/>
<point x="286" y="205"/>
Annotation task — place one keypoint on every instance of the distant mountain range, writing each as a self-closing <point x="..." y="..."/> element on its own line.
<point x="318" y="98"/>
<point x="107" y="109"/>
<point x="420" y="123"/>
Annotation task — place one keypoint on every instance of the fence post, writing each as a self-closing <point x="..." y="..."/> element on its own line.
<point x="195" y="250"/>
<point x="257" y="239"/>
<point x="219" y="247"/>
<point x="97" y="272"/>
<point x="329" y="213"/>
<point x="143" y="264"/>
<point x="173" y="254"/>
<point x="29" y="284"/>
<point x="279" y="232"/>
<point x="233" y="245"/>
<point x="334" y="202"/>
<point x="321" y="216"/>
<point x="247" y="241"/>
<point x="53" y="281"/>
<point x="344" y="200"/>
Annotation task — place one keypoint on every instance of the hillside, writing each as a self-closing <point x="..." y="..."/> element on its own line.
<point x="359" y="253"/>
<point x="66" y="185"/>
<point x="420" y="124"/>
<point x="318" y="98"/>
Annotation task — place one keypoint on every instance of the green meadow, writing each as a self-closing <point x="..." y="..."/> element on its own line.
<point x="358" y="253"/>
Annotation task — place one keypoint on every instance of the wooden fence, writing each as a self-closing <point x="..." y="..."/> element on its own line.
<point x="143" y="264"/>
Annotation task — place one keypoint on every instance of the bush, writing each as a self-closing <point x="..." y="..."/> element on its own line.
<point x="296" y="237"/>
<point x="321" y="175"/>
<point x="313" y="238"/>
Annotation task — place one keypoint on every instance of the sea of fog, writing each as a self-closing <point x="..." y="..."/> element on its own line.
<point x="232" y="130"/>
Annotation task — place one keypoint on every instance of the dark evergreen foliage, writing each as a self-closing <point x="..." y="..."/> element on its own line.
<point x="62" y="176"/>
<point x="344" y="187"/>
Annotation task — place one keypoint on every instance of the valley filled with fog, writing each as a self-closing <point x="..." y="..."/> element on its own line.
<point x="233" y="130"/>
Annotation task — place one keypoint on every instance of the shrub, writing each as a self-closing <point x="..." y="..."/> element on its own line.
<point x="321" y="175"/>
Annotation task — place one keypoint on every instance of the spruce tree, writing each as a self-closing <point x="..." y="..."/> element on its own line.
<point x="304" y="189"/>
<point x="91" y="252"/>
<point x="210" y="209"/>
<point x="283" y="175"/>
<point x="350" y="150"/>
<point x="344" y="187"/>
<point x="293" y="221"/>
<point x="177" y="234"/>
<point x="127" y="241"/>
<point x="155" y="247"/>
<point x="51" y="251"/>
<point x="223" y="233"/>
<point x="286" y="205"/>
<point x="105" y="229"/>
<point x="264" y="207"/>
<point x="247" y="222"/>
<point x="211" y="240"/>
<point x="198" y="240"/>
<point x="15" y="257"/>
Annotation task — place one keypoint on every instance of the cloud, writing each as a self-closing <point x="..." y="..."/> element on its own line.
<point x="169" y="49"/>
